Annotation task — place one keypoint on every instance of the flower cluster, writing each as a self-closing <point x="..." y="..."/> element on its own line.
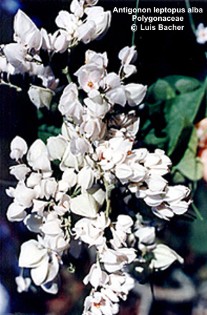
<point x="65" y="186"/>
<point x="84" y="23"/>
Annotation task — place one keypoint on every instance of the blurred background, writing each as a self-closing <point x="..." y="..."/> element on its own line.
<point x="177" y="291"/>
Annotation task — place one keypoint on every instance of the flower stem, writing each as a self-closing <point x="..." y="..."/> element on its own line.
<point x="133" y="32"/>
<point x="66" y="72"/>
<point x="192" y="24"/>
<point x="197" y="212"/>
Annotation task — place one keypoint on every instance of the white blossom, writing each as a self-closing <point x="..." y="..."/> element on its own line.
<point x="113" y="152"/>
<point x="84" y="205"/>
<point x="201" y="34"/>
<point x="40" y="97"/>
<point x="115" y="260"/>
<point x="57" y="42"/>
<point x="38" y="157"/>
<point x="100" y="18"/>
<point x="86" y="178"/>
<point x="96" y="105"/>
<point x="26" y="32"/>
<point x="47" y="188"/>
<point x="16" y="212"/>
<point x="135" y="93"/>
<point x="56" y="147"/>
<point x="23" y="284"/>
<point x="91" y="231"/>
<point x="96" y="276"/>
<point x="89" y="77"/>
<point x="18" y="148"/>
<point x="19" y="171"/>
<point x="146" y="236"/>
<point x="164" y="257"/>
<point x="44" y="265"/>
<point x="23" y="195"/>
<point x="99" y="304"/>
<point x="69" y="104"/>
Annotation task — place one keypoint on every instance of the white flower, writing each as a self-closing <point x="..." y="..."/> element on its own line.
<point x="120" y="285"/>
<point x="127" y="55"/>
<point x="91" y="2"/>
<point x="69" y="179"/>
<point x="157" y="162"/>
<point x="91" y="231"/>
<point x="57" y="42"/>
<point x="99" y="304"/>
<point x="98" y="59"/>
<point x="23" y="284"/>
<point x="80" y="145"/>
<point x="146" y="236"/>
<point x="86" y="31"/>
<point x="26" y="32"/>
<point x="96" y="105"/>
<point x="175" y="194"/>
<point x="5" y="66"/>
<point x="96" y="24"/>
<point x="56" y="147"/>
<point x="47" y="188"/>
<point x="96" y="276"/>
<point x="68" y="22"/>
<point x="19" y="171"/>
<point x="57" y="242"/>
<point x="135" y="93"/>
<point x="63" y="206"/>
<point x="84" y="205"/>
<point x="70" y="160"/>
<point x="38" y="157"/>
<point x="40" y="97"/>
<point x="201" y="34"/>
<point x="44" y="265"/>
<point x="86" y="178"/>
<point x="115" y="90"/>
<point x="52" y="224"/>
<point x="115" y="260"/>
<point x="18" y="148"/>
<point x="120" y="231"/>
<point x="113" y="152"/>
<point x="33" y="180"/>
<point x="101" y="19"/>
<point x="39" y="206"/>
<point x="76" y="8"/>
<point x="124" y="223"/>
<point x="164" y="257"/>
<point x="93" y="128"/>
<point x="172" y="202"/>
<point x="23" y="195"/>
<point x="69" y="104"/>
<point x="89" y="77"/>
<point x="133" y="172"/>
<point x="156" y="183"/>
<point x="16" y="212"/>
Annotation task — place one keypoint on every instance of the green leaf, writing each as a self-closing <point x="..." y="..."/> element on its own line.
<point x="180" y="113"/>
<point x="183" y="84"/>
<point x="152" y="139"/>
<point x="161" y="91"/>
<point x="198" y="235"/>
<point x="190" y="165"/>
<point x="178" y="177"/>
